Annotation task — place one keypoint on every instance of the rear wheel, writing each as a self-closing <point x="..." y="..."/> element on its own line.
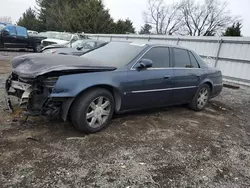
<point x="37" y="48"/>
<point x="92" y="111"/>
<point x="201" y="98"/>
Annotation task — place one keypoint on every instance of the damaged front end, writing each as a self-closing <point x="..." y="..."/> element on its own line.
<point x="33" y="94"/>
<point x="35" y="77"/>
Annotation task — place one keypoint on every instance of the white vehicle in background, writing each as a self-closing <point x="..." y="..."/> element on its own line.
<point x="30" y="32"/>
<point x="58" y="38"/>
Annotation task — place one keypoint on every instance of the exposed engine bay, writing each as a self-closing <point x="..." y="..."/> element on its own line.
<point x="33" y="95"/>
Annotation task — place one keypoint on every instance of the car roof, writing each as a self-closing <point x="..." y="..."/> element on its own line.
<point x="150" y="44"/>
<point x="166" y="45"/>
<point x="147" y="44"/>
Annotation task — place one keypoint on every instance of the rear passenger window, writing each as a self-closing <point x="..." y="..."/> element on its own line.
<point x="159" y="56"/>
<point x="181" y="58"/>
<point x="193" y="61"/>
<point x="21" y="31"/>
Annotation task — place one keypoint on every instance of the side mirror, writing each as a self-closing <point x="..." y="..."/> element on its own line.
<point x="5" y="32"/>
<point x="145" y="63"/>
<point x="79" y="47"/>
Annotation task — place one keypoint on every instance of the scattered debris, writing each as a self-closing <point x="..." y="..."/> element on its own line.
<point x="205" y="178"/>
<point x="31" y="138"/>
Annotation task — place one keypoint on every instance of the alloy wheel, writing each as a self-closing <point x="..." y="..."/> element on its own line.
<point x="202" y="98"/>
<point x="98" y="112"/>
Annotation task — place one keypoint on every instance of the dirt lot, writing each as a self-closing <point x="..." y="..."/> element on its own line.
<point x="169" y="147"/>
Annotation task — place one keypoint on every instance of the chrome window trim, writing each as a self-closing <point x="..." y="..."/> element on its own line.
<point x="166" y="89"/>
<point x="160" y="68"/>
<point x="170" y="68"/>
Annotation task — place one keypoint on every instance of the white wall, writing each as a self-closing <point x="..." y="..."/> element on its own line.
<point x="230" y="54"/>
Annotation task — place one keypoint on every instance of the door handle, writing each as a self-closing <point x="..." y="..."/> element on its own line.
<point x="167" y="77"/>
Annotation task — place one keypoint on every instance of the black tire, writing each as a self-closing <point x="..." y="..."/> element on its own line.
<point x="81" y="105"/>
<point x="37" y="48"/>
<point x="195" y="102"/>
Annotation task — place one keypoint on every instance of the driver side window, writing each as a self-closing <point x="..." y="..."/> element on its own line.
<point x="11" y="30"/>
<point x="159" y="56"/>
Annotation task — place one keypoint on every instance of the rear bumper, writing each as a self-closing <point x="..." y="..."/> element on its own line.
<point x="217" y="88"/>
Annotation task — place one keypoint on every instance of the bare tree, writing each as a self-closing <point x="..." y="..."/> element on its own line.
<point x="206" y="19"/>
<point x="6" y="19"/>
<point x="165" y="19"/>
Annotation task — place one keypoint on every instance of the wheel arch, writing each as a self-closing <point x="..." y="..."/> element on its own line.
<point x="209" y="83"/>
<point x="113" y="90"/>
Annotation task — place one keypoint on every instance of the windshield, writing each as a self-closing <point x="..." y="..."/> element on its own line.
<point x="77" y="43"/>
<point x="116" y="54"/>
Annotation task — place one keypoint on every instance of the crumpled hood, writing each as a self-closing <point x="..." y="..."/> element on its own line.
<point x="57" y="41"/>
<point x="52" y="46"/>
<point x="34" y="65"/>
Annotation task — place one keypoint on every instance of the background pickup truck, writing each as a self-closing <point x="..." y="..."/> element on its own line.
<point x="12" y="36"/>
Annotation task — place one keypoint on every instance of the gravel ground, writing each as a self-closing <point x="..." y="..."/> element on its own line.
<point x="5" y="57"/>
<point x="168" y="147"/>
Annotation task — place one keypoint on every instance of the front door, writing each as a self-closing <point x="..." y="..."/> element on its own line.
<point x="187" y="75"/>
<point x="10" y="39"/>
<point x="149" y="87"/>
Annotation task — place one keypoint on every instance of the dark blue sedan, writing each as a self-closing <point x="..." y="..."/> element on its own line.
<point x="115" y="78"/>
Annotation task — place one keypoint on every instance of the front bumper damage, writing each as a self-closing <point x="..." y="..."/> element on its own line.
<point x="33" y="96"/>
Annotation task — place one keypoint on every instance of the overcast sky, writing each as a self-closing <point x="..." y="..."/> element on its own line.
<point x="123" y="9"/>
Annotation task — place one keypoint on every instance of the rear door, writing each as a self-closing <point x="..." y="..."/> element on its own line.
<point x="22" y="39"/>
<point x="152" y="86"/>
<point x="186" y="75"/>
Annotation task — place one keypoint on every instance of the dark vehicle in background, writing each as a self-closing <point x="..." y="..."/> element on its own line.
<point x="115" y="78"/>
<point x="77" y="48"/>
<point x="12" y="36"/>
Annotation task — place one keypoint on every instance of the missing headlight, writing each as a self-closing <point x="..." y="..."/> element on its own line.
<point x="50" y="82"/>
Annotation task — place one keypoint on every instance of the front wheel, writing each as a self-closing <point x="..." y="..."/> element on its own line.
<point x="201" y="98"/>
<point x="92" y="111"/>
